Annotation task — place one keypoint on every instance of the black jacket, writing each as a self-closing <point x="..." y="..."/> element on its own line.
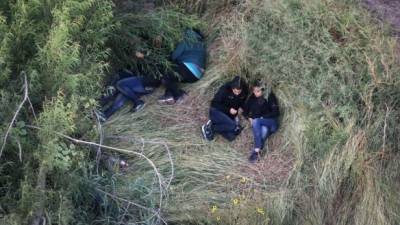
<point x="260" y="107"/>
<point x="224" y="99"/>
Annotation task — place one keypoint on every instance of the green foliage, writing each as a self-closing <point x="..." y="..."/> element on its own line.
<point x="61" y="46"/>
<point x="139" y="31"/>
<point x="72" y="60"/>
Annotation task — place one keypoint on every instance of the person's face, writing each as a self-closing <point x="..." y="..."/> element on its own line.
<point x="257" y="91"/>
<point x="236" y="91"/>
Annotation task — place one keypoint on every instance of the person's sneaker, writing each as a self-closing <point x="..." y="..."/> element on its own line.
<point x="166" y="99"/>
<point x="207" y="131"/>
<point x="138" y="106"/>
<point x="253" y="157"/>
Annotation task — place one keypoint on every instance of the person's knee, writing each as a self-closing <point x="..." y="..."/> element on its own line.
<point x="264" y="131"/>
<point x="230" y="137"/>
<point x="255" y="123"/>
<point x="119" y="85"/>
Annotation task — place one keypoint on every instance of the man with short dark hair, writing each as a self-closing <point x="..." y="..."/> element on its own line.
<point x="225" y="108"/>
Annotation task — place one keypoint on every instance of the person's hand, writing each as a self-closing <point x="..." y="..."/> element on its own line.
<point x="139" y="55"/>
<point x="240" y="111"/>
<point x="157" y="41"/>
<point x="233" y="111"/>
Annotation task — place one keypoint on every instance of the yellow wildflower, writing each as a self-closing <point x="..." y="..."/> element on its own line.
<point x="218" y="218"/>
<point x="235" y="201"/>
<point x="261" y="211"/>
<point x="243" y="180"/>
<point x="214" y="209"/>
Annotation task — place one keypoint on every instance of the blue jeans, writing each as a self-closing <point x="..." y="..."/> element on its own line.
<point x="130" y="89"/>
<point x="262" y="129"/>
<point x="223" y="124"/>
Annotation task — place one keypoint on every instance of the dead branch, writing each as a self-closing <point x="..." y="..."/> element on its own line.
<point x="15" y="114"/>
<point x="163" y="143"/>
<point x="120" y="150"/>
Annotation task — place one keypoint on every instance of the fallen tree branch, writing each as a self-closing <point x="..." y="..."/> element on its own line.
<point x="124" y="151"/>
<point x="113" y="196"/>
<point x="15" y="114"/>
<point x="101" y="138"/>
<point x="163" y="143"/>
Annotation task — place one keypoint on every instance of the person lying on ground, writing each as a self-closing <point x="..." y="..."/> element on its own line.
<point x="131" y="88"/>
<point x="224" y="111"/>
<point x="189" y="61"/>
<point x="111" y="92"/>
<point x="263" y="115"/>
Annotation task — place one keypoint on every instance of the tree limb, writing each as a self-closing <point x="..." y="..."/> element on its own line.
<point x="16" y="114"/>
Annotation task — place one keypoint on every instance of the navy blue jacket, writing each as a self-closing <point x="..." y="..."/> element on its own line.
<point x="192" y="50"/>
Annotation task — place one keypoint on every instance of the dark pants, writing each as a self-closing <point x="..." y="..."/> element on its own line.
<point x="223" y="124"/>
<point x="170" y="80"/>
<point x="262" y="129"/>
<point x="130" y="89"/>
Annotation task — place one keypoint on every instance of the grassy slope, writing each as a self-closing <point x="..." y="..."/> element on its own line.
<point x="336" y="76"/>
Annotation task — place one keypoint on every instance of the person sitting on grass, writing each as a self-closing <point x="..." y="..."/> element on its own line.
<point x="189" y="61"/>
<point x="225" y="108"/>
<point x="131" y="88"/>
<point x="263" y="115"/>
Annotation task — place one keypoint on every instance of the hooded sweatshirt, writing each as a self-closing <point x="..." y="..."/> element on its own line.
<point x="191" y="52"/>
<point x="224" y="99"/>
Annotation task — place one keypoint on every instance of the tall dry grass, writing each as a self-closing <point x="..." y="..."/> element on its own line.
<point x="335" y="72"/>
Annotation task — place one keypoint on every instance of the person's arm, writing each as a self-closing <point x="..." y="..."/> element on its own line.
<point x="246" y="108"/>
<point x="218" y="101"/>
<point x="272" y="107"/>
<point x="246" y="111"/>
<point x="180" y="48"/>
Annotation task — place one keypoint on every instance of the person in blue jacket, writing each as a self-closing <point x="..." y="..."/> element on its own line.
<point x="189" y="58"/>
<point x="263" y="115"/>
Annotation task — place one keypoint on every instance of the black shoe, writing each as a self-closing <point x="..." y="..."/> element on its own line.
<point x="253" y="157"/>
<point x="138" y="106"/>
<point x="207" y="131"/>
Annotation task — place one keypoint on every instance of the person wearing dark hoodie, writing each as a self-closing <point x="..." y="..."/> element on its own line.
<point x="263" y="115"/>
<point x="189" y="58"/>
<point x="225" y="108"/>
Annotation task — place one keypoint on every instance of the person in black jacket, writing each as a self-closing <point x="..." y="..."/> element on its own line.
<point x="225" y="107"/>
<point x="189" y="58"/>
<point x="263" y="115"/>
